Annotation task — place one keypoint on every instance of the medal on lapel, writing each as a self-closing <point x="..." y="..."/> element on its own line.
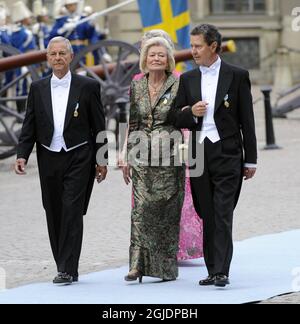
<point x="166" y="98"/>
<point x="226" y="102"/>
<point x="76" y="113"/>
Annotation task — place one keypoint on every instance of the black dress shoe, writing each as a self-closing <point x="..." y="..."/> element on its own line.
<point x="209" y="281"/>
<point x="75" y="278"/>
<point x="221" y="280"/>
<point x="63" y="278"/>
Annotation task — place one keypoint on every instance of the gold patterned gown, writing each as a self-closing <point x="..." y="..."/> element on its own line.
<point x="158" y="191"/>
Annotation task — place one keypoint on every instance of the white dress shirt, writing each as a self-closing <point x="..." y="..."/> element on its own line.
<point x="209" y="85"/>
<point x="60" y="89"/>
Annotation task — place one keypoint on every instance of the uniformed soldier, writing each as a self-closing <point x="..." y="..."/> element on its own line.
<point x="40" y="29"/>
<point x="79" y="36"/>
<point x="59" y="10"/>
<point x="101" y="34"/>
<point x="4" y="35"/>
<point x="4" y="39"/>
<point x="22" y="38"/>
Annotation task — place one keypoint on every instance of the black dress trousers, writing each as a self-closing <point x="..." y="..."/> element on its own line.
<point x="64" y="178"/>
<point x="215" y="194"/>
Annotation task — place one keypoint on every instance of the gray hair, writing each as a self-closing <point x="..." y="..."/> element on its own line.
<point x="157" y="33"/>
<point x="210" y="34"/>
<point x="60" y="39"/>
<point x="157" y="41"/>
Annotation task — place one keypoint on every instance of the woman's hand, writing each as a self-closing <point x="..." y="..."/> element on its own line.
<point x="126" y="169"/>
<point x="121" y="161"/>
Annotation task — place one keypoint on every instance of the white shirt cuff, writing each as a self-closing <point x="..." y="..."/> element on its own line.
<point x="250" y="165"/>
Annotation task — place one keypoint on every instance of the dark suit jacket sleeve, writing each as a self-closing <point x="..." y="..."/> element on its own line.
<point x="178" y="117"/>
<point x="28" y="134"/>
<point x="97" y="117"/>
<point x="247" y="119"/>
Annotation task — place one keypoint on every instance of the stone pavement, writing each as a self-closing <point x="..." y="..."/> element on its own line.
<point x="269" y="204"/>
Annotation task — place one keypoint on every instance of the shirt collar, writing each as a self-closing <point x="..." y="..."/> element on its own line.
<point x="67" y="77"/>
<point x="64" y="82"/>
<point x="213" y="69"/>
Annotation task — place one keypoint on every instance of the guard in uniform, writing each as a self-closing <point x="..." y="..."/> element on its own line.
<point x="40" y="29"/>
<point x="4" y="36"/>
<point x="80" y="35"/>
<point x="4" y="39"/>
<point x="41" y="33"/>
<point x="22" y="38"/>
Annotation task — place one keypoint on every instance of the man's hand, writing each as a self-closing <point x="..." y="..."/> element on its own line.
<point x="101" y="172"/>
<point x="20" y="166"/>
<point x="249" y="173"/>
<point x="200" y="109"/>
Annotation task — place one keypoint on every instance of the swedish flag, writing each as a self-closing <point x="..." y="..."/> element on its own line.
<point x="170" y="15"/>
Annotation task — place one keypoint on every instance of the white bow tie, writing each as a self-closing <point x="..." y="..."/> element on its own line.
<point x="211" y="70"/>
<point x="60" y="83"/>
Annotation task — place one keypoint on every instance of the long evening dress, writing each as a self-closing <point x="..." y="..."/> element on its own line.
<point x="158" y="191"/>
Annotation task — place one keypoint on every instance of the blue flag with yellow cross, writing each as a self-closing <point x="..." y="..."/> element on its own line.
<point x="170" y="15"/>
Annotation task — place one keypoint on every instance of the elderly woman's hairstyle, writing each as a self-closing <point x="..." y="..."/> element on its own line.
<point x="157" y="41"/>
<point x="157" y="33"/>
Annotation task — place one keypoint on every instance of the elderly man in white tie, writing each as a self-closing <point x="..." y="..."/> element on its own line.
<point x="63" y="118"/>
